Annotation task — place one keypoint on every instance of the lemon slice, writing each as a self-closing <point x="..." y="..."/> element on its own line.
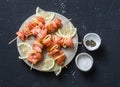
<point x="57" y="69"/>
<point x="67" y="31"/>
<point x="72" y="33"/>
<point x="48" y="16"/>
<point x="25" y="49"/>
<point x="38" y="10"/>
<point x="47" y="64"/>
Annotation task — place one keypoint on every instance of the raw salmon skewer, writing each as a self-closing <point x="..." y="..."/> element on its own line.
<point x="16" y="38"/>
<point x="36" y="56"/>
<point x="53" y="25"/>
<point x="39" y="22"/>
<point x="54" y="49"/>
<point x="58" y="55"/>
<point x="37" y="27"/>
<point x="26" y="31"/>
<point x="49" y="40"/>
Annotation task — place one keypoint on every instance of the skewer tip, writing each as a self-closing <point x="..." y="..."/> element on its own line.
<point x="12" y="41"/>
<point x="77" y="42"/>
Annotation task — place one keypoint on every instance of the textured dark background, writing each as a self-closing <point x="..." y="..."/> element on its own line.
<point x="99" y="16"/>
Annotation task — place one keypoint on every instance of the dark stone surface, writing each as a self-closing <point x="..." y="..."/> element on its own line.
<point x="99" y="16"/>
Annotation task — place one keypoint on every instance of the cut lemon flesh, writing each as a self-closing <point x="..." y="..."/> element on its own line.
<point x="72" y="33"/>
<point x="48" y="16"/>
<point x="67" y="31"/>
<point x="25" y="49"/>
<point x="47" y="64"/>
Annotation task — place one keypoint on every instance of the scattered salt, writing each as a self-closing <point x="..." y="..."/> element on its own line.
<point x="73" y="74"/>
<point x="62" y="6"/>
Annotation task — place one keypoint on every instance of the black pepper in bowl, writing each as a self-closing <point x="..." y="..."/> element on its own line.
<point x="90" y="43"/>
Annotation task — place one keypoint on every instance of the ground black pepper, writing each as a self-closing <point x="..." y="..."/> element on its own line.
<point x="90" y="43"/>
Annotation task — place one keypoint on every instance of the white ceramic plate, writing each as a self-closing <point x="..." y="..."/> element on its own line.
<point x="69" y="52"/>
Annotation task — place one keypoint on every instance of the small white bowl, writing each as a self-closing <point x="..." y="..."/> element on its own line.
<point x="94" y="37"/>
<point x="84" y="61"/>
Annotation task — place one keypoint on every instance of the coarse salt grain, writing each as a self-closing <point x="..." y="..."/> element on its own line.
<point x="84" y="63"/>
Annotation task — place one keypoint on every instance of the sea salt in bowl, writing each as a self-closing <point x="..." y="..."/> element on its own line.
<point x="84" y="62"/>
<point x="92" y="41"/>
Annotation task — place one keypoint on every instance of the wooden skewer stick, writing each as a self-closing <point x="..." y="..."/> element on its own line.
<point x="12" y="40"/>
<point x="65" y="66"/>
<point x="77" y="42"/>
<point x="70" y="19"/>
<point x="31" y="66"/>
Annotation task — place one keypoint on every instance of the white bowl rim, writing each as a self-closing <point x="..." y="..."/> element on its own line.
<point x="81" y="54"/>
<point x="95" y="34"/>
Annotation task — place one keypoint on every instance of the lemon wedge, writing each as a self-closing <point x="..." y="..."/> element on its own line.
<point x="38" y="10"/>
<point x="48" y="16"/>
<point x="72" y="33"/>
<point x="25" y="50"/>
<point x="57" y="69"/>
<point x="47" y="64"/>
<point x="67" y="31"/>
